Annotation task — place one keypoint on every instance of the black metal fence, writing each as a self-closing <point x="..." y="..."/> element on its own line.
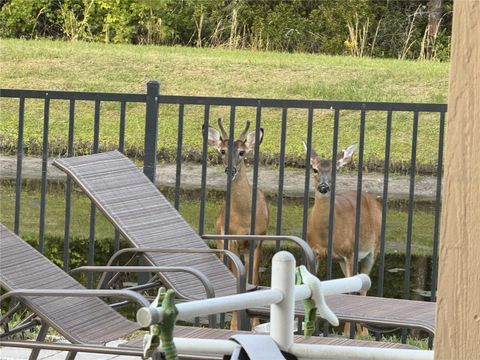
<point x="153" y="101"/>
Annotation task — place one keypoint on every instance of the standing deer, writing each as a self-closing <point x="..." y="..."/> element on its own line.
<point x="344" y="218"/>
<point x="241" y="196"/>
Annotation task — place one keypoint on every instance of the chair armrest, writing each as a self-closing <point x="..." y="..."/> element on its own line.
<point x="122" y="294"/>
<point x="241" y="275"/>
<point x="209" y="290"/>
<point x="311" y="261"/>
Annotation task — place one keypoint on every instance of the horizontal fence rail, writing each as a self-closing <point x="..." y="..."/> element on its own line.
<point x="153" y="101"/>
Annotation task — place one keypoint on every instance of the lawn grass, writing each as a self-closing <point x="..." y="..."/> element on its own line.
<point x="77" y="66"/>
<point x="292" y="219"/>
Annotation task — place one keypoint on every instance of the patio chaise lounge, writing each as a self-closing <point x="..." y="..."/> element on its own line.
<point x="87" y="322"/>
<point x="146" y="219"/>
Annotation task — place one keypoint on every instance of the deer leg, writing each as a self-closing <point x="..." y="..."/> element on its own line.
<point x="232" y="246"/>
<point x="257" y="255"/>
<point x="220" y="247"/>
<point x="347" y="268"/>
<point x="366" y="267"/>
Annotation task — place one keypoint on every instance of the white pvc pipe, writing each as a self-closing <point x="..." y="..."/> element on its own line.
<point x="360" y="282"/>
<point x="204" y="346"/>
<point x="330" y="352"/>
<point x="147" y="316"/>
<point x="282" y="313"/>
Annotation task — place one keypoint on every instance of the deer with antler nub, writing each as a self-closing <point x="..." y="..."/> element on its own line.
<point x="241" y="196"/>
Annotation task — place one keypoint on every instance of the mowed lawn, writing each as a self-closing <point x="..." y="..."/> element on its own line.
<point x="78" y="66"/>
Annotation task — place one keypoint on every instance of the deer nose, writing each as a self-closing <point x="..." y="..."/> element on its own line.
<point x="323" y="188"/>
<point x="234" y="171"/>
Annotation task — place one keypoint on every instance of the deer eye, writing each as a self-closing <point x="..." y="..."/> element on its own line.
<point x="222" y="152"/>
<point x="315" y="171"/>
<point x="241" y="153"/>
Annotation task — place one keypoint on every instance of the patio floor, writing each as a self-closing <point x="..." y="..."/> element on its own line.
<point x="10" y="353"/>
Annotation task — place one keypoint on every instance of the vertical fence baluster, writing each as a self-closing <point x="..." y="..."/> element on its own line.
<point x="358" y="201"/>
<point x="43" y="191"/>
<point x="438" y="205"/>
<point x="331" y="214"/>
<point x="306" y="190"/>
<point x="68" y="190"/>
<point x="411" y="198"/>
<point x="228" y="193"/>
<point x="359" y="191"/>
<point x="18" y="174"/>
<point x="150" y="145"/>
<point x="281" y="174"/>
<point x="121" y="148"/>
<point x="91" y="241"/>
<point x="386" y="174"/>
<point x="179" y="156"/>
<point x="231" y="139"/>
<point x="203" y="190"/>
<point x="121" y="132"/>
<point x="253" y="217"/>
<point x="151" y="130"/>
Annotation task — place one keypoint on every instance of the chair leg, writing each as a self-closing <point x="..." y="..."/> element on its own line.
<point x="41" y="337"/>
<point x="71" y="355"/>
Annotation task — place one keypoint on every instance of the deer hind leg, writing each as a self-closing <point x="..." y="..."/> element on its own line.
<point x="347" y="269"/>
<point x="257" y="255"/>
<point x="366" y="267"/>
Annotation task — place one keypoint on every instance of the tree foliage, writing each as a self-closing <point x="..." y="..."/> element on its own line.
<point x="380" y="28"/>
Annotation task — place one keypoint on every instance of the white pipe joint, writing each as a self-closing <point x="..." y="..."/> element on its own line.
<point x="282" y="313"/>
<point x="147" y="316"/>
<point x="360" y="282"/>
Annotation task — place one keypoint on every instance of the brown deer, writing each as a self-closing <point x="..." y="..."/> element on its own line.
<point x="241" y="196"/>
<point x="344" y="221"/>
<point x="344" y="218"/>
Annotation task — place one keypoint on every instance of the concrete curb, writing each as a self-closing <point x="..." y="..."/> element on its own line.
<point x="294" y="184"/>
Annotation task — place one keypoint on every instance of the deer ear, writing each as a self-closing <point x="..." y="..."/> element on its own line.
<point x="214" y="137"/>
<point x="313" y="153"/>
<point x="345" y="157"/>
<point x="250" y="141"/>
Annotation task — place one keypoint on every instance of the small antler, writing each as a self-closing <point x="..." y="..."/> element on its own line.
<point x="243" y="135"/>
<point x="222" y="129"/>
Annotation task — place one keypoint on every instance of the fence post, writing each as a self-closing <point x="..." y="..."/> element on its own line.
<point x="151" y="136"/>
<point x="151" y="129"/>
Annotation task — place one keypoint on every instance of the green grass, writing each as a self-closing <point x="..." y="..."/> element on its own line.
<point x="77" y="66"/>
<point x="292" y="219"/>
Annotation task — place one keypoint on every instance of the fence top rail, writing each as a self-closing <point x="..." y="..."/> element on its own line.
<point x="226" y="101"/>
<point x="302" y="104"/>
<point x="71" y="95"/>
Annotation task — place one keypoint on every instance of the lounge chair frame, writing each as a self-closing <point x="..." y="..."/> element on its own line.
<point x="380" y="312"/>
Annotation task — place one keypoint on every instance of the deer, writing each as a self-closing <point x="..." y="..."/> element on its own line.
<point x="241" y="198"/>
<point x="344" y="219"/>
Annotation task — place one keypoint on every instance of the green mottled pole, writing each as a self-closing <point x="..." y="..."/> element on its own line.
<point x="163" y="332"/>
<point x="309" y="308"/>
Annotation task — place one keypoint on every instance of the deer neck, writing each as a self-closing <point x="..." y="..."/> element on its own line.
<point x="321" y="209"/>
<point x="241" y="192"/>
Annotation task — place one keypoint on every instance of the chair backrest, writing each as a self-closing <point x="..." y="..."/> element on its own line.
<point x="146" y="219"/>
<point x="79" y="320"/>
